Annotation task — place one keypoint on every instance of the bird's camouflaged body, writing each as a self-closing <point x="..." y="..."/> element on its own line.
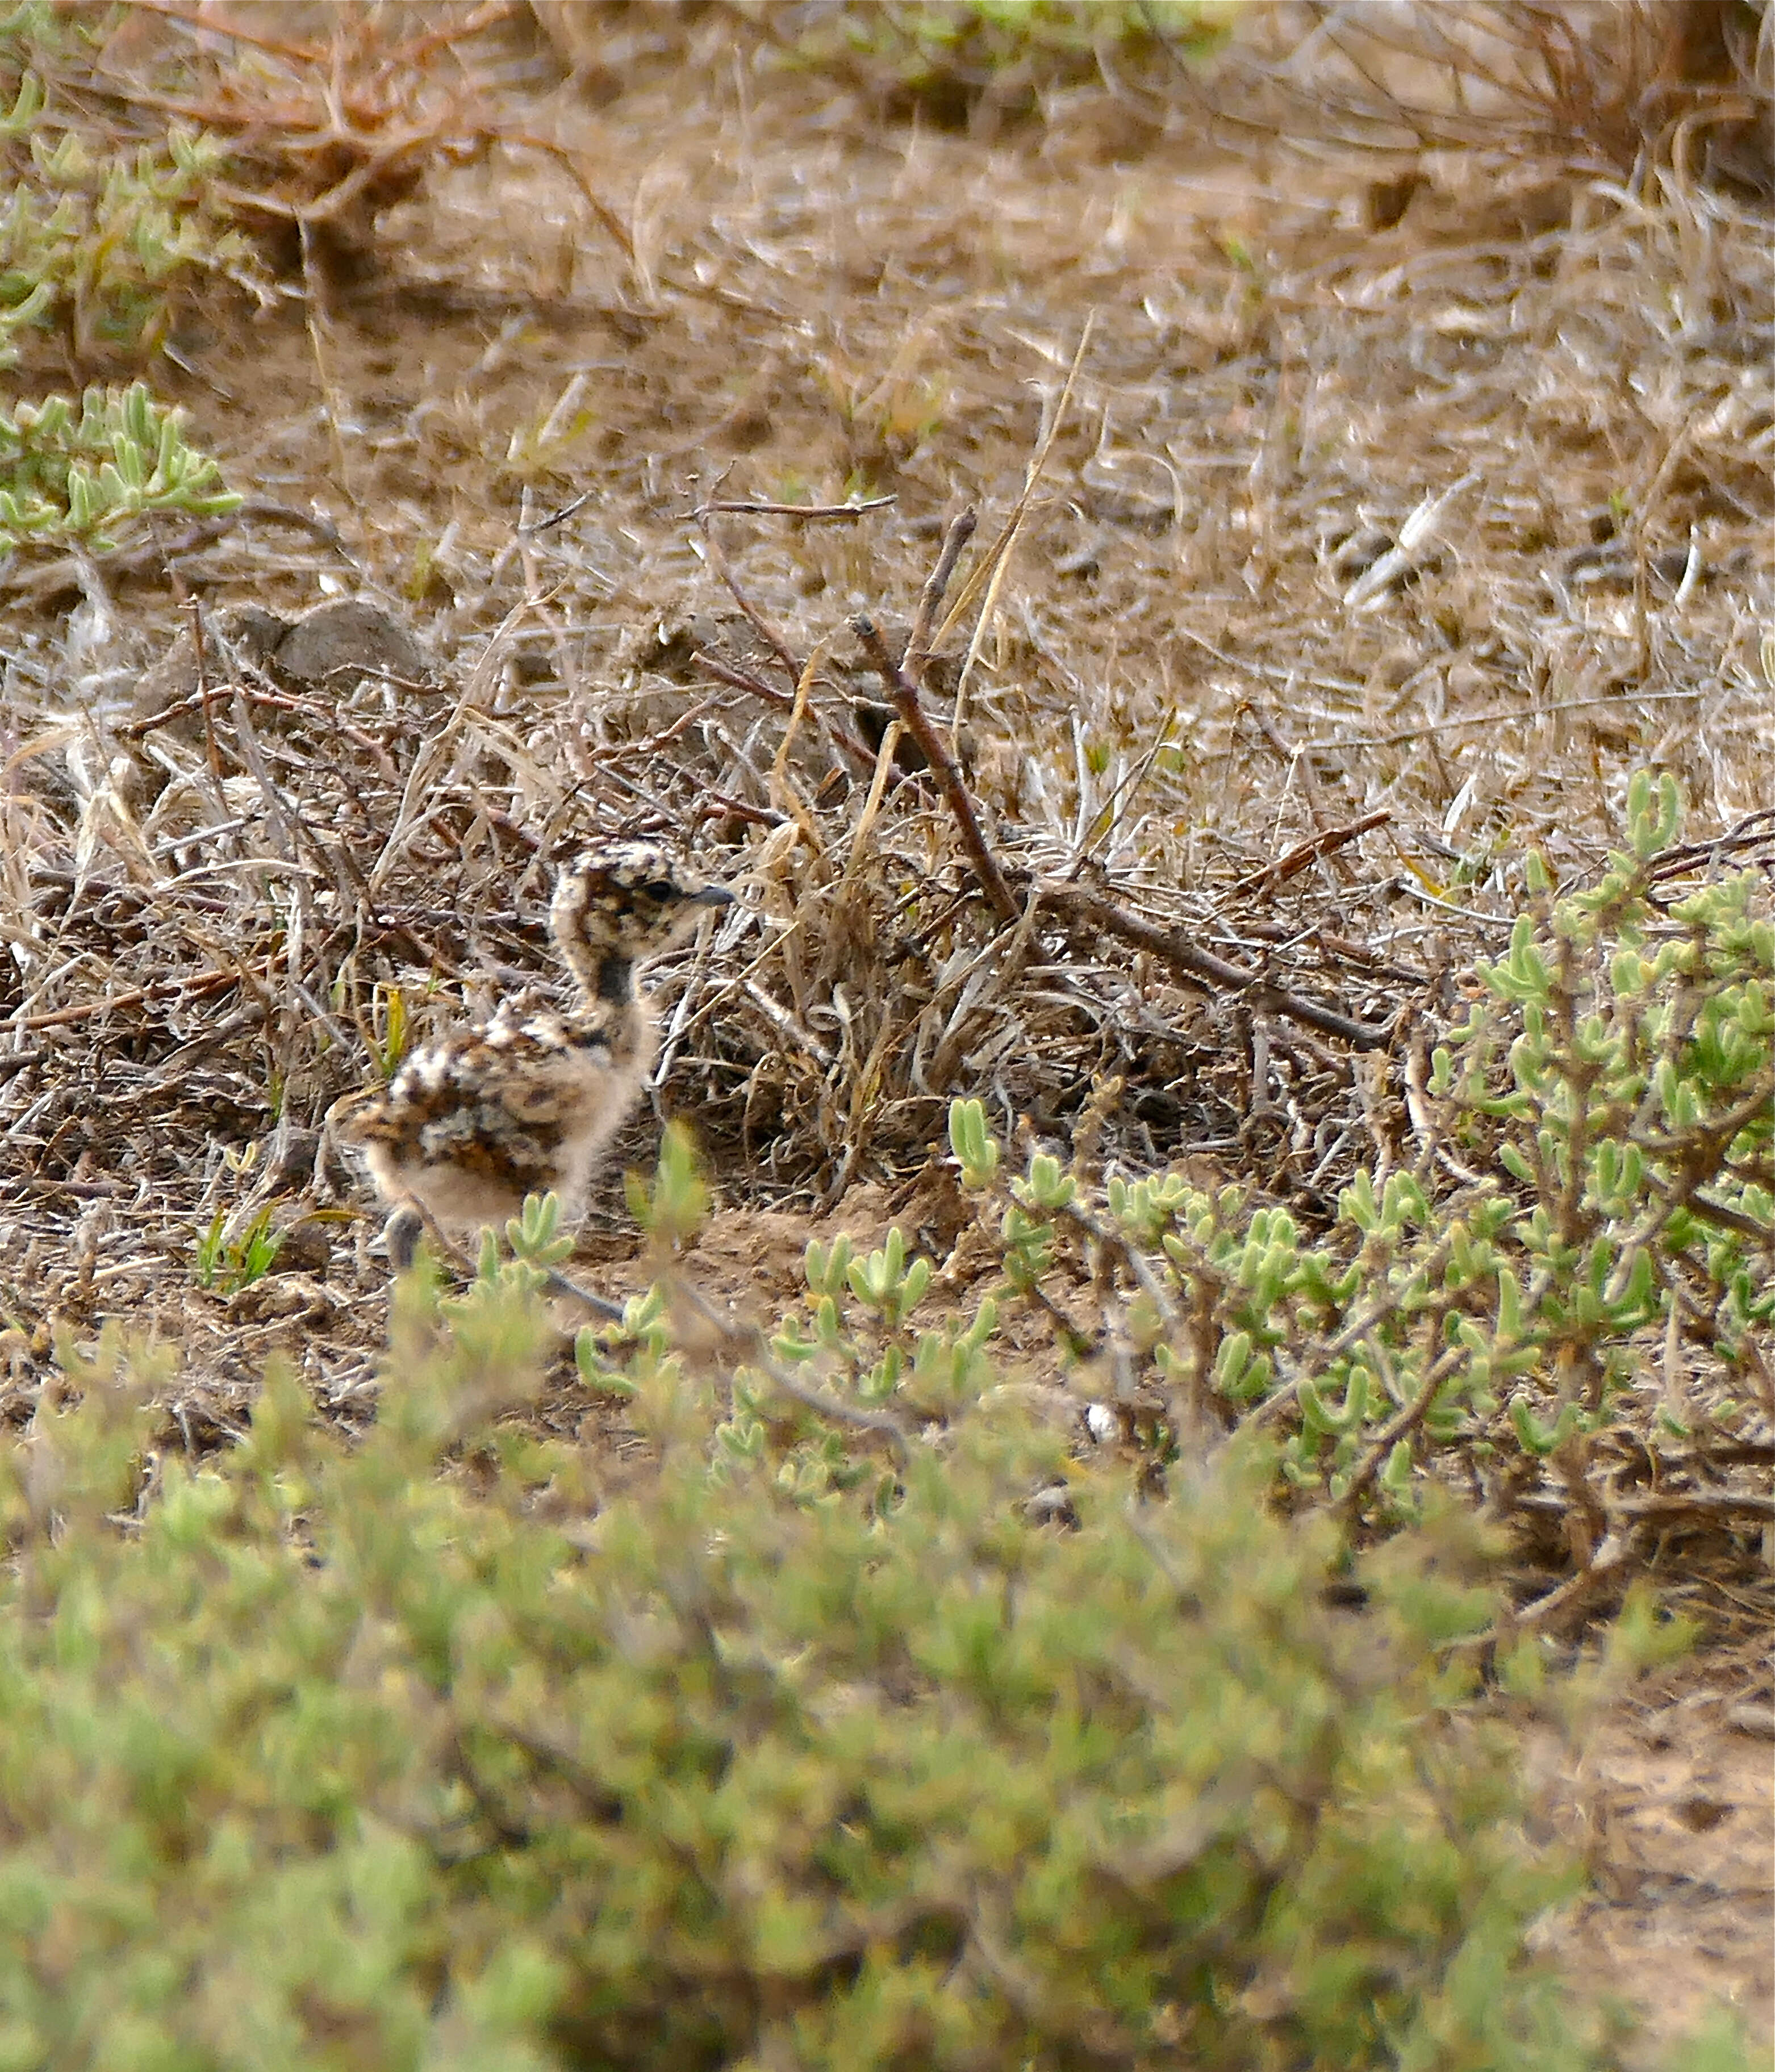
<point x="471" y="1125"/>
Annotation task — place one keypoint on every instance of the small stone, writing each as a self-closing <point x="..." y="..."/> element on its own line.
<point x="333" y="648"/>
<point x="280" y="1298"/>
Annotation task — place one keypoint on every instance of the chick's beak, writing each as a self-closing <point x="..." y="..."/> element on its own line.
<point x="712" y="895"/>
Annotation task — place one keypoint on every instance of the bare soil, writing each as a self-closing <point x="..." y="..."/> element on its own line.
<point x="1672" y="1806"/>
<point x="1189" y="668"/>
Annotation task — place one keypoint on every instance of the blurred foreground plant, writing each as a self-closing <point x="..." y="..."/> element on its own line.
<point x="81" y="476"/>
<point x="331" y="1758"/>
<point x="102" y="234"/>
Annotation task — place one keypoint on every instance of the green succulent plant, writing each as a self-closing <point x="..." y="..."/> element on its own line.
<point x="83" y="472"/>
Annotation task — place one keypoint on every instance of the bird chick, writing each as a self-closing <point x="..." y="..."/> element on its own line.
<point x="469" y="1125"/>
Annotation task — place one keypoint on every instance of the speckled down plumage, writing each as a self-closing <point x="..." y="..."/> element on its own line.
<point x="472" y="1124"/>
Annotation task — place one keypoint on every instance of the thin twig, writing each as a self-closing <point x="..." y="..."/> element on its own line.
<point x="905" y="696"/>
<point x="1502" y="716"/>
<point x="158" y="553"/>
<point x="766" y="631"/>
<point x="138" y="730"/>
<point x="831" y="1406"/>
<point x="556" y="517"/>
<point x="451" y="1252"/>
<point x="917" y="648"/>
<point x="1401" y="1425"/>
<point x="1293" y="860"/>
<point x="742" y="679"/>
<point x="196" y="988"/>
<point x="558" y="1284"/>
<point x="1607" y="1560"/>
<point x="1750" y="833"/>
<point x="1207" y="969"/>
<point x="745" y="507"/>
<point x="1696" y="1503"/>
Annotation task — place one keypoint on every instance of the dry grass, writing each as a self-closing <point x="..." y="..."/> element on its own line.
<point x="1322" y="573"/>
<point x="1606" y="90"/>
<point x="1441" y="529"/>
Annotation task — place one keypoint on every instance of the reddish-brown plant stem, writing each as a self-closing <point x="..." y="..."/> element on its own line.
<point x="903" y="694"/>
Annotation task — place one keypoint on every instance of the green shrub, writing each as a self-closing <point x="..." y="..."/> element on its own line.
<point x="947" y="57"/>
<point x="1591" y="1208"/>
<point x="66" y="476"/>
<point x="99" y="238"/>
<point x="317" y="1757"/>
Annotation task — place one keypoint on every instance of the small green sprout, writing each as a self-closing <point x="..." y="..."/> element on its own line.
<point x="672" y="1209"/>
<point x="887" y="1284"/>
<point x="976" y="1151"/>
<point x="1536" y="1435"/>
<point x="229" y="1263"/>
<point x="390" y="1032"/>
<point x="537" y="1244"/>
<point x="828" y="1268"/>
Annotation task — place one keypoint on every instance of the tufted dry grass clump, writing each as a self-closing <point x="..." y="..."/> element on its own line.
<point x="320" y="119"/>
<point x="1610" y="91"/>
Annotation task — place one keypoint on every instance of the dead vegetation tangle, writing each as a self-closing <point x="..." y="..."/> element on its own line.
<point x="1356" y="565"/>
<point x="1321" y="571"/>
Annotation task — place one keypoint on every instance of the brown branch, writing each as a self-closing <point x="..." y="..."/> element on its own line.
<point x="194" y="987"/>
<point x="917" y="646"/>
<point x="1293" y="862"/>
<point x="904" y="693"/>
<point x="710" y="805"/>
<point x="746" y="507"/>
<point x="1400" y="1425"/>
<point x="1696" y="1503"/>
<point x="216" y="694"/>
<point x="1557" y="1605"/>
<point x="556" y="517"/>
<point x="1203" y="966"/>
<point x="742" y="679"/>
<point x="1750" y="833"/>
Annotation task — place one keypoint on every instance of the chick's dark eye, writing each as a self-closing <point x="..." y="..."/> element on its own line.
<point x="659" y="889"/>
